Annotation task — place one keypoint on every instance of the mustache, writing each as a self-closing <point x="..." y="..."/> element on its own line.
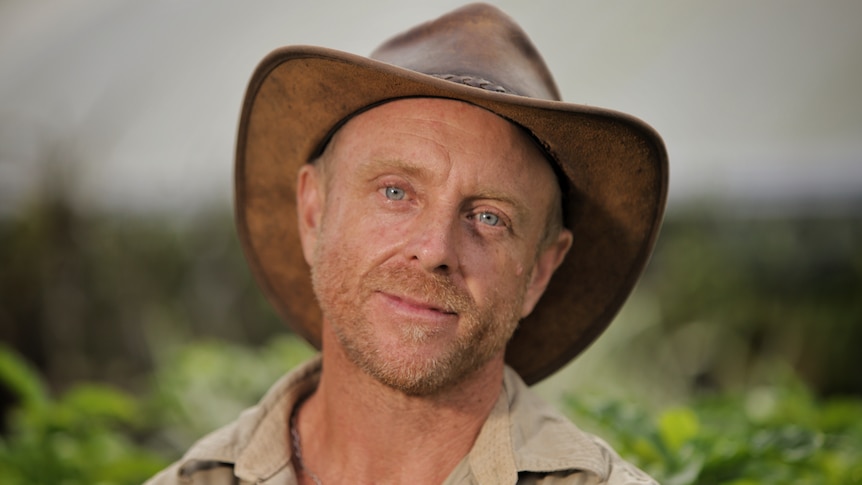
<point x="435" y="290"/>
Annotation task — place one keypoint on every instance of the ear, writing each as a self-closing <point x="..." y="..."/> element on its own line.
<point x="309" y="207"/>
<point x="547" y="262"/>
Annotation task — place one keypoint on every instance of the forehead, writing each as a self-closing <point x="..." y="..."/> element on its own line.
<point x="421" y="128"/>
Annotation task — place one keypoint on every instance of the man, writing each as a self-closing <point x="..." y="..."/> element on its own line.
<point x="462" y="232"/>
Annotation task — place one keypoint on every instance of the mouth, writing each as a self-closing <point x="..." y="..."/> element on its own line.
<point x="418" y="305"/>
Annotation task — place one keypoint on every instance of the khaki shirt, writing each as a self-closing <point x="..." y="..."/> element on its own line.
<point x="524" y="441"/>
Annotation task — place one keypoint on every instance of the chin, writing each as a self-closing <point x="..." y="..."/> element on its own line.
<point x="421" y="371"/>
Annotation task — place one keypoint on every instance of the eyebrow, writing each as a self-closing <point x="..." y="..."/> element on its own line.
<point x="409" y="169"/>
<point x="519" y="207"/>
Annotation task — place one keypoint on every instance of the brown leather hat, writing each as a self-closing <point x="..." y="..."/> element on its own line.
<point x="614" y="165"/>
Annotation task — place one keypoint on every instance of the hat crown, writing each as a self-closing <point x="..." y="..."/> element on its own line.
<point x="477" y="45"/>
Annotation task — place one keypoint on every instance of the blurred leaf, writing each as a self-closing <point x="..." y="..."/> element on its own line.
<point x="187" y="383"/>
<point x="81" y="438"/>
<point x="677" y="427"/>
<point x="21" y="379"/>
<point x="90" y="401"/>
<point x="710" y="441"/>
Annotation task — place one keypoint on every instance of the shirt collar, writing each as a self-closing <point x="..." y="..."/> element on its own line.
<point x="522" y="434"/>
<point x="525" y="434"/>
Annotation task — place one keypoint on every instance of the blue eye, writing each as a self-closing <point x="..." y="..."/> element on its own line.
<point x="394" y="193"/>
<point x="488" y="218"/>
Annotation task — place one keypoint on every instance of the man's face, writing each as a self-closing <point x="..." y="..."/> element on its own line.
<point x="423" y="228"/>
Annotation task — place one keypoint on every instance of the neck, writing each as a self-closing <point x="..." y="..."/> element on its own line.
<point x="354" y="426"/>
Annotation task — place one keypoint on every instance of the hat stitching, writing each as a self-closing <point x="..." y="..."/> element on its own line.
<point x="473" y="81"/>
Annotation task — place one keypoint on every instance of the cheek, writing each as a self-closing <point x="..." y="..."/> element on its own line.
<point x="509" y="263"/>
<point x="519" y="270"/>
<point x="360" y="235"/>
<point x="498" y="272"/>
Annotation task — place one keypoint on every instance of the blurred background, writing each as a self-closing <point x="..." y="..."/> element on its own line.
<point x="119" y="264"/>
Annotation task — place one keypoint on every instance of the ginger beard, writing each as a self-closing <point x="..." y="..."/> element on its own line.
<point x="482" y="330"/>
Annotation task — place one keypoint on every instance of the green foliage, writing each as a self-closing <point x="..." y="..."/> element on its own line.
<point x="96" y="434"/>
<point x="84" y="437"/>
<point x="21" y="380"/>
<point x="202" y="386"/>
<point x="775" y="435"/>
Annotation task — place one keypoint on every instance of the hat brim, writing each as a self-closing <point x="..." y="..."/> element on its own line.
<point x="616" y="165"/>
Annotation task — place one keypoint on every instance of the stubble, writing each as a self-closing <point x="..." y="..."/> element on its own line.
<point x="484" y="328"/>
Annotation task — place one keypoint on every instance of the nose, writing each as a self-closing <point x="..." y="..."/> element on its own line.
<point x="433" y="243"/>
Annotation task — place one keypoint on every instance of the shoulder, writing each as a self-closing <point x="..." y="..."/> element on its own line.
<point x="210" y="460"/>
<point x="619" y="471"/>
<point x="593" y="464"/>
<point x="550" y="449"/>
